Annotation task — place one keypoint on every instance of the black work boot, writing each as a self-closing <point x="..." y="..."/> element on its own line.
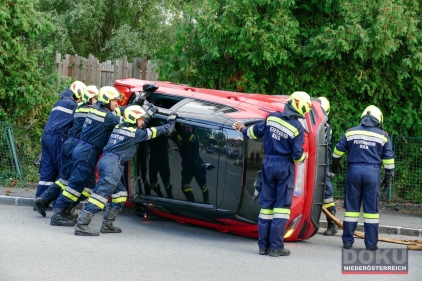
<point x="188" y="194"/>
<point x="69" y="212"/>
<point x="264" y="251"/>
<point x="59" y="220"/>
<point x="331" y="226"/>
<point x="82" y="228"/>
<point x="168" y="191"/>
<point x="277" y="253"/>
<point x="109" y="218"/>
<point x="157" y="189"/>
<point x="41" y="206"/>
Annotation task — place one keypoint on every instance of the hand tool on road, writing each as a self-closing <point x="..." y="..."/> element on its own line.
<point x="415" y="245"/>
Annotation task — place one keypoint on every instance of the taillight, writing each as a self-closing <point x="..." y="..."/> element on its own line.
<point x="292" y="227"/>
<point x="300" y="178"/>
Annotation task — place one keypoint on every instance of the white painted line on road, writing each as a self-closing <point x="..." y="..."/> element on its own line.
<point x="228" y="171"/>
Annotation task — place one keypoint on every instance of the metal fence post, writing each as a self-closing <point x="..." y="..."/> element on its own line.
<point x="390" y="188"/>
<point x="14" y="155"/>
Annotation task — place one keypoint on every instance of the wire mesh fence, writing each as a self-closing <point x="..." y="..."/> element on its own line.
<point x="19" y="156"/>
<point x="18" y="150"/>
<point x="407" y="181"/>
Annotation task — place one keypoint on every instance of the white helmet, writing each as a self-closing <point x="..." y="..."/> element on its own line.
<point x="133" y="113"/>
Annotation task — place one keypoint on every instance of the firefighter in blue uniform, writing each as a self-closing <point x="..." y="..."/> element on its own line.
<point x="55" y="134"/>
<point x="328" y="202"/>
<point x="192" y="164"/>
<point x="367" y="148"/>
<point x="99" y="123"/>
<point x="120" y="148"/>
<point x="283" y="140"/>
<point x="89" y="97"/>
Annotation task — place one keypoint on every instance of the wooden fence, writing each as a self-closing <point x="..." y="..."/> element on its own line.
<point x="92" y="72"/>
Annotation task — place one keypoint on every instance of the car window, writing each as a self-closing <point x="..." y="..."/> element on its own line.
<point x="164" y="101"/>
<point x="183" y="165"/>
<point x="160" y="100"/>
<point x="254" y="156"/>
<point x="203" y="107"/>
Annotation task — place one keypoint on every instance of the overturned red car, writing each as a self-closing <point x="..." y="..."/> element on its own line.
<point x="221" y="178"/>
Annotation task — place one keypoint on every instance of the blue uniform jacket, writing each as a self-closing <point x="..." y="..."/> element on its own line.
<point x="366" y="145"/>
<point x="78" y="120"/>
<point x="283" y="135"/>
<point x="124" y="138"/>
<point x="98" y="125"/>
<point x="61" y="117"/>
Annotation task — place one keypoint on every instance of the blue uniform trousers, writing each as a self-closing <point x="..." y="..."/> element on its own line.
<point x="362" y="184"/>
<point x="109" y="184"/>
<point x="51" y="145"/>
<point x="82" y="178"/>
<point x="275" y="199"/>
<point x="65" y="170"/>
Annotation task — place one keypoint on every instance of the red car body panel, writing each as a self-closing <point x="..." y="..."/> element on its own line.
<point x="306" y="205"/>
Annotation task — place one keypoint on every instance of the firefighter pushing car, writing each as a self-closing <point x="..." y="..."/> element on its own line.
<point x="120" y="148"/>
<point x="89" y="97"/>
<point x="99" y="123"/>
<point x="283" y="140"/>
<point x="56" y="133"/>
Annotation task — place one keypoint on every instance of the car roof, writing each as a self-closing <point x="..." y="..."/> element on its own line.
<point x="249" y="107"/>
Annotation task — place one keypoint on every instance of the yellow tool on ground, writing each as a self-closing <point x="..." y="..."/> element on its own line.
<point x="415" y="245"/>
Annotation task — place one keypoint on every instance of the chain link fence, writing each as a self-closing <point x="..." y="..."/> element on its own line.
<point x="407" y="181"/>
<point x="18" y="156"/>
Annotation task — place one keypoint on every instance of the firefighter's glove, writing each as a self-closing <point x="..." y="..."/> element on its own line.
<point x="139" y="100"/>
<point x="171" y="119"/>
<point x="238" y="126"/>
<point x="256" y="194"/>
<point x="147" y="122"/>
<point x="150" y="109"/>
<point x="258" y="185"/>
<point x="386" y="182"/>
<point x="335" y="165"/>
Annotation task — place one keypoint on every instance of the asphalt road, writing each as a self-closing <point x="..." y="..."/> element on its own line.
<point x="160" y="249"/>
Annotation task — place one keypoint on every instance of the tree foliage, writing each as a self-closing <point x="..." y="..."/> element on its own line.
<point x="26" y="69"/>
<point x="355" y="53"/>
<point x="110" y="29"/>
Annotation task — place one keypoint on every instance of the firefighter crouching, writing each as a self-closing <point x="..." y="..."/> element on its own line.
<point x="283" y="140"/>
<point x="120" y="148"/>
<point x="328" y="194"/>
<point x="368" y="146"/>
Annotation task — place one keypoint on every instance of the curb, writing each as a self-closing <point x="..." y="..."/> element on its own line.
<point x="29" y="202"/>
<point x="386" y="229"/>
<point x="17" y="201"/>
